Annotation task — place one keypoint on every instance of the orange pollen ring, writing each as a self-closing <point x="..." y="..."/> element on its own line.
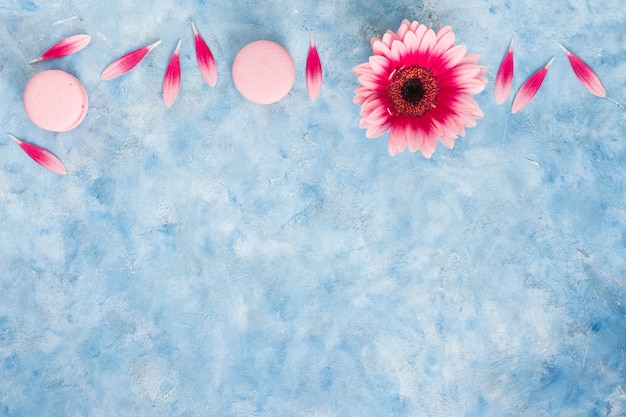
<point x="413" y="90"/>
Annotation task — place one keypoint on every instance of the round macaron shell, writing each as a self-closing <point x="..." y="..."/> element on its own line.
<point x="263" y="72"/>
<point x="55" y="100"/>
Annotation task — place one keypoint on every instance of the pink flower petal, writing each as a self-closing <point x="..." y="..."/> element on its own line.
<point x="171" y="81"/>
<point x="378" y="64"/>
<point x="412" y="43"/>
<point x="453" y="56"/>
<point x="361" y="68"/>
<point x="444" y="31"/>
<point x="388" y="38"/>
<point x="448" y="141"/>
<point x="443" y="43"/>
<point x="585" y="74"/>
<point x="420" y="32"/>
<point x="67" y="46"/>
<point x="369" y="82"/>
<point x="41" y="156"/>
<point x="427" y="43"/>
<point x="361" y="94"/>
<point x="126" y="63"/>
<point x="374" y="131"/>
<point x="377" y="115"/>
<point x="380" y="48"/>
<point x="428" y="146"/>
<point x="530" y="87"/>
<point x="314" y="71"/>
<point x="398" y="50"/>
<point x="405" y="26"/>
<point x="206" y="62"/>
<point x="415" y="137"/>
<point x="504" y="78"/>
<point x="397" y="139"/>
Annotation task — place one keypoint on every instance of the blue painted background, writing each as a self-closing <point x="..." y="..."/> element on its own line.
<point x="222" y="258"/>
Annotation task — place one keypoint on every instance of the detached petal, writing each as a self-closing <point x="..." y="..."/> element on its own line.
<point x="504" y="78"/>
<point x="41" y="156"/>
<point x="67" y="46"/>
<point x="206" y="62"/>
<point x="530" y="87"/>
<point x="585" y="74"/>
<point x="126" y="63"/>
<point x="171" y="81"/>
<point x="314" y="71"/>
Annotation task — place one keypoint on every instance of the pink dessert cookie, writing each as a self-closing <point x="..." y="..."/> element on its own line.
<point x="55" y="100"/>
<point x="263" y="72"/>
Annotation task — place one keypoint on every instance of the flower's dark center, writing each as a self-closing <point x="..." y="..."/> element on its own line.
<point x="413" y="90"/>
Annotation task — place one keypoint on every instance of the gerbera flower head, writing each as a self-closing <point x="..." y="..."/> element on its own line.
<point x="418" y="84"/>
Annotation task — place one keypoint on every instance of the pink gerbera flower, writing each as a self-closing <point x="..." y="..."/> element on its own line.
<point x="418" y="85"/>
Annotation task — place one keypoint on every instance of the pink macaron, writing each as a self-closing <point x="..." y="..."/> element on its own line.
<point x="263" y="72"/>
<point x="55" y="100"/>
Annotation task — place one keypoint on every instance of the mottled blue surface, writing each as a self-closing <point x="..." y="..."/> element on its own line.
<point x="222" y="258"/>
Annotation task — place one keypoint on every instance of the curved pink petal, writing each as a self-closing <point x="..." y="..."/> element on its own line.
<point x="362" y="68"/>
<point x="314" y="71"/>
<point x="405" y="26"/>
<point x="41" y="156"/>
<point x="428" y="42"/>
<point x="466" y="105"/>
<point x="470" y="58"/>
<point x="171" y="81"/>
<point x="443" y="43"/>
<point x="378" y="63"/>
<point x="373" y="103"/>
<point x="585" y="74"/>
<point x="377" y="130"/>
<point x="453" y="56"/>
<point x="206" y="62"/>
<point x="127" y="62"/>
<point x="444" y="31"/>
<point x="388" y="38"/>
<point x="398" y="50"/>
<point x="460" y="74"/>
<point x="380" y="48"/>
<point x="415" y="137"/>
<point x="420" y="31"/>
<point x="361" y="94"/>
<point x="504" y="77"/>
<point x="397" y="139"/>
<point x="412" y="43"/>
<point x="472" y="87"/>
<point x="369" y="82"/>
<point x="448" y="141"/>
<point x="530" y="87"/>
<point x="377" y="115"/>
<point x="428" y="146"/>
<point x="65" y="47"/>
